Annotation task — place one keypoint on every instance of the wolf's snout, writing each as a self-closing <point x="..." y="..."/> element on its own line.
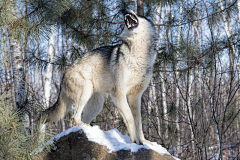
<point x="130" y="19"/>
<point x="125" y="11"/>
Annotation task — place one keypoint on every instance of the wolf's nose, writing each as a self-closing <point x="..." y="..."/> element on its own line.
<point x="124" y="10"/>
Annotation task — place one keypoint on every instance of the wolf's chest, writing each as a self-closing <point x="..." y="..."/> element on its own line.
<point x="139" y="76"/>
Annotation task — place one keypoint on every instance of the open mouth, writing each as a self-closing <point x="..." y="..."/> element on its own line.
<point x="131" y="21"/>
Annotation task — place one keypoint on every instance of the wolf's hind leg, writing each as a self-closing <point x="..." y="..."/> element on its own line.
<point x="93" y="107"/>
<point x="84" y="96"/>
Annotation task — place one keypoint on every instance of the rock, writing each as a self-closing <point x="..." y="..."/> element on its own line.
<point x="76" y="145"/>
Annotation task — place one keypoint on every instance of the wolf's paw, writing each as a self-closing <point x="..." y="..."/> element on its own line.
<point x="142" y="141"/>
<point x="87" y="124"/>
<point x="78" y="123"/>
<point x="137" y="141"/>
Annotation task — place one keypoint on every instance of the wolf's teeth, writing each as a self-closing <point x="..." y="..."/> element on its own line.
<point x="130" y="20"/>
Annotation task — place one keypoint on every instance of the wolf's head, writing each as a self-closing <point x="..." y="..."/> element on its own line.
<point x="137" y="26"/>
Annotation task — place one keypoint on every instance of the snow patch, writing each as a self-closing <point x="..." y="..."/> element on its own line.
<point x="112" y="139"/>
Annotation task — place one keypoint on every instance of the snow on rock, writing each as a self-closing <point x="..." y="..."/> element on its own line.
<point x="112" y="139"/>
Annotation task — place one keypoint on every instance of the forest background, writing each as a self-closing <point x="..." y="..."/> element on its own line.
<point x="191" y="106"/>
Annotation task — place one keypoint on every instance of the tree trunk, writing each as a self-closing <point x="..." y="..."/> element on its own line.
<point x="162" y="80"/>
<point x="18" y="72"/>
<point x="26" y="58"/>
<point x="18" y="78"/>
<point x="232" y="55"/>
<point x="151" y="104"/>
<point x="179" y="149"/>
<point x="189" y="92"/>
<point x="6" y="62"/>
<point x="189" y="110"/>
<point x="140" y="9"/>
<point x="26" y="63"/>
<point x="48" y="78"/>
<point x="232" y="52"/>
<point x="157" y="11"/>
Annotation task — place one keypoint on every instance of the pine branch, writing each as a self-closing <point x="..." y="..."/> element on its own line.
<point x="3" y="5"/>
<point x="33" y="140"/>
<point x="47" y="62"/>
<point x="6" y="152"/>
<point x="191" y="21"/>
<point x="18" y="19"/>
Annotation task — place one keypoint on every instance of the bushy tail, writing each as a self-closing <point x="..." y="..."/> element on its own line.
<point x="58" y="110"/>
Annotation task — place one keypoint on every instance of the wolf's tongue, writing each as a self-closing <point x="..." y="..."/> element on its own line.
<point x="133" y="18"/>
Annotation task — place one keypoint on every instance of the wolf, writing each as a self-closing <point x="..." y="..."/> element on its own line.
<point x="122" y="71"/>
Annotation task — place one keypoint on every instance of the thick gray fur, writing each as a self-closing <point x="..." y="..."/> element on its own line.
<point x="122" y="71"/>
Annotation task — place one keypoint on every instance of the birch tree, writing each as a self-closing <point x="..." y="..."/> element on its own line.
<point x="48" y="78"/>
<point x="177" y="79"/>
<point x="232" y="56"/>
<point x="18" y="68"/>
<point x="140" y="8"/>
<point x="6" y="62"/>
<point x="49" y="68"/>
<point x="157" y="11"/>
<point x="26" y="56"/>
<point x="162" y="78"/>
<point x="227" y="28"/>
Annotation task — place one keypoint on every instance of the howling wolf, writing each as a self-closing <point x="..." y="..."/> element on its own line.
<point x="122" y="71"/>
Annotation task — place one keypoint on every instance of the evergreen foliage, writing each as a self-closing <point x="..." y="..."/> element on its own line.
<point x="90" y="24"/>
<point x="199" y="62"/>
<point x="15" y="141"/>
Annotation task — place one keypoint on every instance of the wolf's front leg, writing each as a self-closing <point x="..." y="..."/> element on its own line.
<point x="135" y="103"/>
<point x="125" y="111"/>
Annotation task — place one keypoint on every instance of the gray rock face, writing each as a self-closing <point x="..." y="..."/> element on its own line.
<point x="76" y="146"/>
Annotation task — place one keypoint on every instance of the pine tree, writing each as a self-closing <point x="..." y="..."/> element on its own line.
<point x="15" y="142"/>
